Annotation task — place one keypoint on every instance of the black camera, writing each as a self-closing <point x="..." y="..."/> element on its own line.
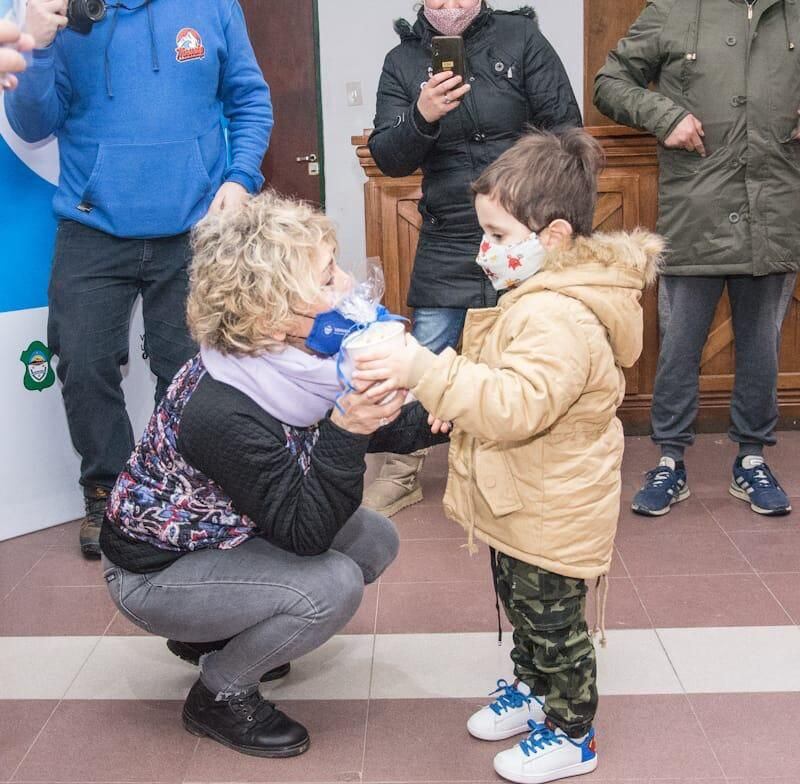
<point x="82" y="14"/>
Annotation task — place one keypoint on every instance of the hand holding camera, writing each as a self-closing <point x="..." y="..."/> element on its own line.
<point x="44" y="18"/>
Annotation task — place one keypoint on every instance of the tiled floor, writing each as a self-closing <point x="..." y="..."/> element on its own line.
<point x="700" y="680"/>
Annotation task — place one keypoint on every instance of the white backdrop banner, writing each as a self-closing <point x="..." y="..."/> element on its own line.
<point x="38" y="466"/>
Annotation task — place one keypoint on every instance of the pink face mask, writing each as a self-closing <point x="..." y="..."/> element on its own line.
<point x="452" y="21"/>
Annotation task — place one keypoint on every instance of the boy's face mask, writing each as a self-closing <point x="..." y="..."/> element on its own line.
<point x="507" y="266"/>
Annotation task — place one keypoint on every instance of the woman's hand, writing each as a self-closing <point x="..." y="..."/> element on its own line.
<point x="386" y="372"/>
<point x="363" y="415"/>
<point x="12" y="43"/>
<point x="440" y="95"/>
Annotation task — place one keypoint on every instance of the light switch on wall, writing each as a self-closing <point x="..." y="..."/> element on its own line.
<point x="354" y="95"/>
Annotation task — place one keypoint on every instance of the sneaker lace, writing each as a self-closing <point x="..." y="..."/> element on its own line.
<point x="251" y="707"/>
<point x="541" y="736"/>
<point x="659" y="476"/>
<point x="763" y="477"/>
<point x="511" y="697"/>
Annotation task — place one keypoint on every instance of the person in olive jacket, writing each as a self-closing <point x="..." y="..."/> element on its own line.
<point x="725" y="109"/>
<point x="452" y="131"/>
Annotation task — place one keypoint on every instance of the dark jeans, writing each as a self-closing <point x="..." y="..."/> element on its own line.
<point x="275" y="605"/>
<point x="553" y="653"/>
<point x="93" y="286"/>
<point x="686" y="307"/>
<point x="438" y="328"/>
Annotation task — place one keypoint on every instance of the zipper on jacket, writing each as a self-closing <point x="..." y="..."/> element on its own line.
<point x="750" y="4"/>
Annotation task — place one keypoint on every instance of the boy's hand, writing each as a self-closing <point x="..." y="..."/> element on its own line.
<point x="438" y="425"/>
<point x="386" y="373"/>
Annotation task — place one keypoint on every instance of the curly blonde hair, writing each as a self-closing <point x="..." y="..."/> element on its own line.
<point x="251" y="270"/>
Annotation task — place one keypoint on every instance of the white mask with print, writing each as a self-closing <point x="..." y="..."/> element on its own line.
<point x="507" y="266"/>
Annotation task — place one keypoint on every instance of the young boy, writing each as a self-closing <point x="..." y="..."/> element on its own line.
<point x="536" y="446"/>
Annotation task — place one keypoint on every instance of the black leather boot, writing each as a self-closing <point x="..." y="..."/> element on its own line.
<point x="95" y="499"/>
<point x="245" y="723"/>
<point x="192" y="651"/>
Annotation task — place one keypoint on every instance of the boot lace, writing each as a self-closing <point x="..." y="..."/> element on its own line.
<point x="251" y="707"/>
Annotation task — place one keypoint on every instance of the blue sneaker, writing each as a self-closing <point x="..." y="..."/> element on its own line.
<point x="663" y="487"/>
<point x="754" y="483"/>
<point x="547" y="754"/>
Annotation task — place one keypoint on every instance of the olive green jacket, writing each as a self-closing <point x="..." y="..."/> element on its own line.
<point x="736" y="211"/>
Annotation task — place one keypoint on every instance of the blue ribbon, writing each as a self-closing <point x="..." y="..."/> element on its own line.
<point x="382" y="314"/>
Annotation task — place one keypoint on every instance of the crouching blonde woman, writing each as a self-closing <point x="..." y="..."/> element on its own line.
<point x="235" y="529"/>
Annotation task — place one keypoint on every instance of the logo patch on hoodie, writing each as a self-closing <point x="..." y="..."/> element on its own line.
<point x="189" y="45"/>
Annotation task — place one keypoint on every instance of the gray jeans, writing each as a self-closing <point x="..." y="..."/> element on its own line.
<point x="686" y="307"/>
<point x="275" y="605"/>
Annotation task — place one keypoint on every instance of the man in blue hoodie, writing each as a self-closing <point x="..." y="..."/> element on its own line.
<point x="138" y="106"/>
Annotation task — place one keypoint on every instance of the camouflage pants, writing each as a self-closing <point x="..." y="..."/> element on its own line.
<point x="553" y="652"/>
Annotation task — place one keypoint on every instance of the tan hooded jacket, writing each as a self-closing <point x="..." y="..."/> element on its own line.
<point x="536" y="448"/>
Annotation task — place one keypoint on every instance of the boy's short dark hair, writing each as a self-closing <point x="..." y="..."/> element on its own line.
<point x="546" y="176"/>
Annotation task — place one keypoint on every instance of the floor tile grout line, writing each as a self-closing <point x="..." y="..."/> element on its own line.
<point x="83" y="666"/>
<point x="371" y="676"/>
<point x="755" y="571"/>
<point x="705" y="735"/>
<point x="184" y="778"/>
<point x="19" y="582"/>
<point x="35" y="740"/>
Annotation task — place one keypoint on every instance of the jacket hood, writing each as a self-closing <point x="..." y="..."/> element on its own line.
<point x="607" y="273"/>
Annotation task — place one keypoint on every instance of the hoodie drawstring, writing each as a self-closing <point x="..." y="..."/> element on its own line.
<point x="692" y="55"/>
<point x="113" y="29"/>
<point x="789" y="42"/>
<point x="153" y="49"/>
<point x="601" y="602"/>
<point x="106" y="59"/>
<point x="495" y="566"/>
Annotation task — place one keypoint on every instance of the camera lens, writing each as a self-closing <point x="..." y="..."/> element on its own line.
<point x="95" y="9"/>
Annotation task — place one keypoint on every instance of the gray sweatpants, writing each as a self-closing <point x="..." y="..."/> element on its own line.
<point x="686" y="307"/>
<point x="275" y="605"/>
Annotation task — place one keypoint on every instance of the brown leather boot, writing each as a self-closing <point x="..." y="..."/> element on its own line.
<point x="95" y="499"/>
<point x="397" y="485"/>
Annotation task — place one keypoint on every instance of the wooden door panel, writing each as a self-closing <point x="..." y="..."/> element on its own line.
<point x="283" y="36"/>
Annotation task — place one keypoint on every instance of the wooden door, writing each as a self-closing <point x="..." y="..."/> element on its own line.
<point x="605" y="22"/>
<point x="286" y="43"/>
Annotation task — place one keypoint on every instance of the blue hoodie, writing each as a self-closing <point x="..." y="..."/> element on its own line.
<point x="137" y="107"/>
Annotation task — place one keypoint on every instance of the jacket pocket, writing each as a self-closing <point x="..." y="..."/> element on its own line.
<point x="117" y="580"/>
<point x="496" y="482"/>
<point x="791" y="150"/>
<point x="155" y="189"/>
<point x="506" y="71"/>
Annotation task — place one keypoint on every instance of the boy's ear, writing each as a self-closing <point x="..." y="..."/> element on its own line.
<point x="559" y="232"/>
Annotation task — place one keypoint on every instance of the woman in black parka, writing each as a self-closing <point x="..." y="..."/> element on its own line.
<point x="453" y="131"/>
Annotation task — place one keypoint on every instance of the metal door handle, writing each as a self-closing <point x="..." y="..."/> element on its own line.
<point x="307" y="158"/>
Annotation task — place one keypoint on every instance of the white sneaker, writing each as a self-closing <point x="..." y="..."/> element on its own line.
<point x="508" y="715"/>
<point x="547" y="755"/>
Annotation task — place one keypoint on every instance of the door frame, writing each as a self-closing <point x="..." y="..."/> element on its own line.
<point x="320" y="117"/>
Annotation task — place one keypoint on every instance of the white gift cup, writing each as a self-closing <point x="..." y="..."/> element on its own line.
<point x="384" y="337"/>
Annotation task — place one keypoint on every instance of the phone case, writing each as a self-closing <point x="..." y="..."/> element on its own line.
<point x="448" y="54"/>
